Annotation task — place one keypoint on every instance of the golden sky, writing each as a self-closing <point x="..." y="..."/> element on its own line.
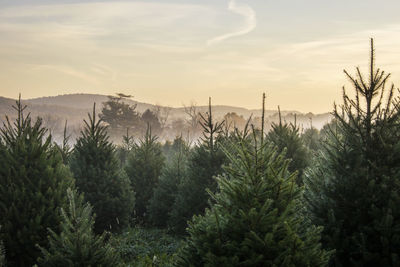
<point x="175" y="52"/>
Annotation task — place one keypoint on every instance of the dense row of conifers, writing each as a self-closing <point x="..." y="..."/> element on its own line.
<point x="238" y="198"/>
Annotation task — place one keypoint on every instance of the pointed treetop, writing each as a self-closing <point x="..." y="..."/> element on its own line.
<point x="365" y="92"/>
<point x="20" y="110"/>
<point x="263" y="119"/>
<point x="209" y="127"/>
<point x="372" y="60"/>
<point x="280" y="117"/>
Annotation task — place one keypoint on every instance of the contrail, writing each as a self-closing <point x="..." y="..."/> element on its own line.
<point x="250" y="22"/>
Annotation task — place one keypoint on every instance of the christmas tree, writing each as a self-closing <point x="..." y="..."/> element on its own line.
<point x="143" y="168"/>
<point x="312" y="139"/>
<point x="77" y="244"/>
<point x="99" y="176"/>
<point x="165" y="193"/>
<point x="353" y="189"/>
<point x="64" y="148"/>
<point x="255" y="217"/>
<point x="286" y="137"/>
<point x="205" y="161"/>
<point x="124" y="149"/>
<point x="33" y="183"/>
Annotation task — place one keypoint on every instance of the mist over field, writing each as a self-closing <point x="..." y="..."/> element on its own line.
<point x="56" y="110"/>
<point x="171" y="133"/>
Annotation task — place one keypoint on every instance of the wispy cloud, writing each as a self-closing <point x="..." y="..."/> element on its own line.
<point x="128" y="21"/>
<point x="250" y="22"/>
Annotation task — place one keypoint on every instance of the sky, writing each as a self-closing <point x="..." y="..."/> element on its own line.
<point x="175" y="52"/>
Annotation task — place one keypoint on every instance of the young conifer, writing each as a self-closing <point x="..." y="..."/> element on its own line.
<point x="77" y="244"/>
<point x="312" y="139"/>
<point x="353" y="189"/>
<point x="143" y="168"/>
<point x="64" y="148"/>
<point x="123" y="150"/>
<point x="33" y="182"/>
<point x="254" y="219"/>
<point x="285" y="136"/>
<point x="165" y="193"/>
<point x="205" y="161"/>
<point x="99" y="176"/>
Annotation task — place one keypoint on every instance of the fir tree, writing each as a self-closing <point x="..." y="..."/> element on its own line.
<point x="311" y="139"/>
<point x="170" y="149"/>
<point x="165" y="193"/>
<point x="77" y="244"/>
<point x="98" y="175"/>
<point x="205" y="161"/>
<point x="143" y="168"/>
<point x="123" y="150"/>
<point x="354" y="189"/>
<point x="65" y="148"/>
<point x="254" y="219"/>
<point x="33" y="182"/>
<point x="286" y="137"/>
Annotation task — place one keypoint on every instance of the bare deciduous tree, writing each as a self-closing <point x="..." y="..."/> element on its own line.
<point x="192" y="112"/>
<point x="162" y="114"/>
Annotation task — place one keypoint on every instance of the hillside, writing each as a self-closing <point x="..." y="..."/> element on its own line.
<point x="85" y="102"/>
<point x="74" y="108"/>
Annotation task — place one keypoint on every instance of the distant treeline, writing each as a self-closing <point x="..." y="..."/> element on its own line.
<point x="171" y="121"/>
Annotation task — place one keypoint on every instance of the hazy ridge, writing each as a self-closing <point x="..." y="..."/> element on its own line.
<point x="74" y="108"/>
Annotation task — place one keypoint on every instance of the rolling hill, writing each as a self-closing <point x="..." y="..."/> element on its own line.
<point x="74" y="108"/>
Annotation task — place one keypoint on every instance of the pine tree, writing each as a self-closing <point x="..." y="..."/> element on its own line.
<point x="353" y="191"/>
<point x="311" y="139"/>
<point x="255" y="217"/>
<point x="33" y="182"/>
<point x="98" y="175"/>
<point x="65" y="148"/>
<point x="173" y="173"/>
<point x="143" y="168"/>
<point x="286" y="137"/>
<point x="150" y="118"/>
<point x="170" y="149"/>
<point x="205" y="161"/>
<point x="124" y="149"/>
<point x="77" y="244"/>
<point x="119" y="116"/>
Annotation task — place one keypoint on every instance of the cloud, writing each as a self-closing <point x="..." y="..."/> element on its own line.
<point x="127" y="21"/>
<point x="250" y="22"/>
